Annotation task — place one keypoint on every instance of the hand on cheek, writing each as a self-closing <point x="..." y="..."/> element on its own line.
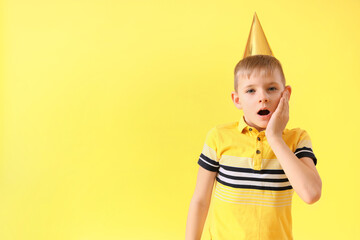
<point x="279" y="118"/>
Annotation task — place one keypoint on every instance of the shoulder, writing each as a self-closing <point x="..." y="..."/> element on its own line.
<point x="295" y="132"/>
<point x="297" y="136"/>
<point x="221" y="129"/>
<point x="301" y="141"/>
<point x="224" y="128"/>
<point x="222" y="133"/>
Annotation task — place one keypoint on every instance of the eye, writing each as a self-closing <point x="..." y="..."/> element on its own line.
<point x="272" y="89"/>
<point x="250" y="91"/>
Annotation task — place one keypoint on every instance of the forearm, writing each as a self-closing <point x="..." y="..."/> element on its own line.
<point x="305" y="181"/>
<point x="196" y="219"/>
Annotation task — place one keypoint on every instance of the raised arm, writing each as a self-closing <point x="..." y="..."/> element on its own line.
<point x="199" y="204"/>
<point x="302" y="172"/>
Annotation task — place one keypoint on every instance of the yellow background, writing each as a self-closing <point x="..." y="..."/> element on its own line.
<point x="105" y="106"/>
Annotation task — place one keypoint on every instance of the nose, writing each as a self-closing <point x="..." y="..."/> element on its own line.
<point x="263" y="97"/>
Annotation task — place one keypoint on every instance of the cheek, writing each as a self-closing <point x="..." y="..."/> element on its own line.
<point x="246" y="102"/>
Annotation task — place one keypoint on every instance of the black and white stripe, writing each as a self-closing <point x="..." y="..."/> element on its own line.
<point x="305" y="152"/>
<point x="208" y="163"/>
<point x="265" y="179"/>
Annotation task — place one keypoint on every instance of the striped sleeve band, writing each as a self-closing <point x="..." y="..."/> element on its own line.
<point x="305" y="152"/>
<point x="208" y="163"/>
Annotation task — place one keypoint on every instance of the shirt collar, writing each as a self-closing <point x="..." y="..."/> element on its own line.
<point x="243" y="127"/>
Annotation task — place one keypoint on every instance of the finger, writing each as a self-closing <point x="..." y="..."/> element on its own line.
<point x="286" y="95"/>
<point x="286" y="100"/>
<point x="286" y="107"/>
<point x="280" y="106"/>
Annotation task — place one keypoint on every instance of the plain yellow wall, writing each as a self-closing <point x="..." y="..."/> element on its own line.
<point x="105" y="106"/>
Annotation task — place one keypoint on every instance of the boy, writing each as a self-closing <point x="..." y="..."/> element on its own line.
<point x="256" y="162"/>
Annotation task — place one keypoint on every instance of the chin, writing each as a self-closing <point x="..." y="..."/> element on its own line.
<point x="263" y="125"/>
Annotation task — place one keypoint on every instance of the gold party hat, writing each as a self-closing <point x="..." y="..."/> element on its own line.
<point x="257" y="43"/>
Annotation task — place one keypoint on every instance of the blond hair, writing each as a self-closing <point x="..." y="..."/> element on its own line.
<point x="264" y="63"/>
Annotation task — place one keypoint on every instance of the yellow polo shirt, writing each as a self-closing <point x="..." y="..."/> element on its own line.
<point x="252" y="195"/>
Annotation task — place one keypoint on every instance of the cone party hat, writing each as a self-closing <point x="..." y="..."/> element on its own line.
<point x="257" y="43"/>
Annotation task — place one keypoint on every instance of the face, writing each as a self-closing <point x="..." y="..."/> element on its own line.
<point x="258" y="96"/>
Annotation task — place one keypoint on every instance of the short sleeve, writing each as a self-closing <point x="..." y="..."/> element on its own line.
<point x="208" y="158"/>
<point x="304" y="147"/>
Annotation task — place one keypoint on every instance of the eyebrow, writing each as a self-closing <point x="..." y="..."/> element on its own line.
<point x="252" y="85"/>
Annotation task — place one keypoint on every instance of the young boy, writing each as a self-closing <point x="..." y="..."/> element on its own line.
<point x="256" y="162"/>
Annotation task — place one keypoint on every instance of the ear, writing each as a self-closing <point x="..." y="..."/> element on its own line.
<point x="288" y="88"/>
<point x="236" y="100"/>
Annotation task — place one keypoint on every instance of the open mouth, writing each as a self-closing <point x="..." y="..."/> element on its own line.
<point x="263" y="112"/>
